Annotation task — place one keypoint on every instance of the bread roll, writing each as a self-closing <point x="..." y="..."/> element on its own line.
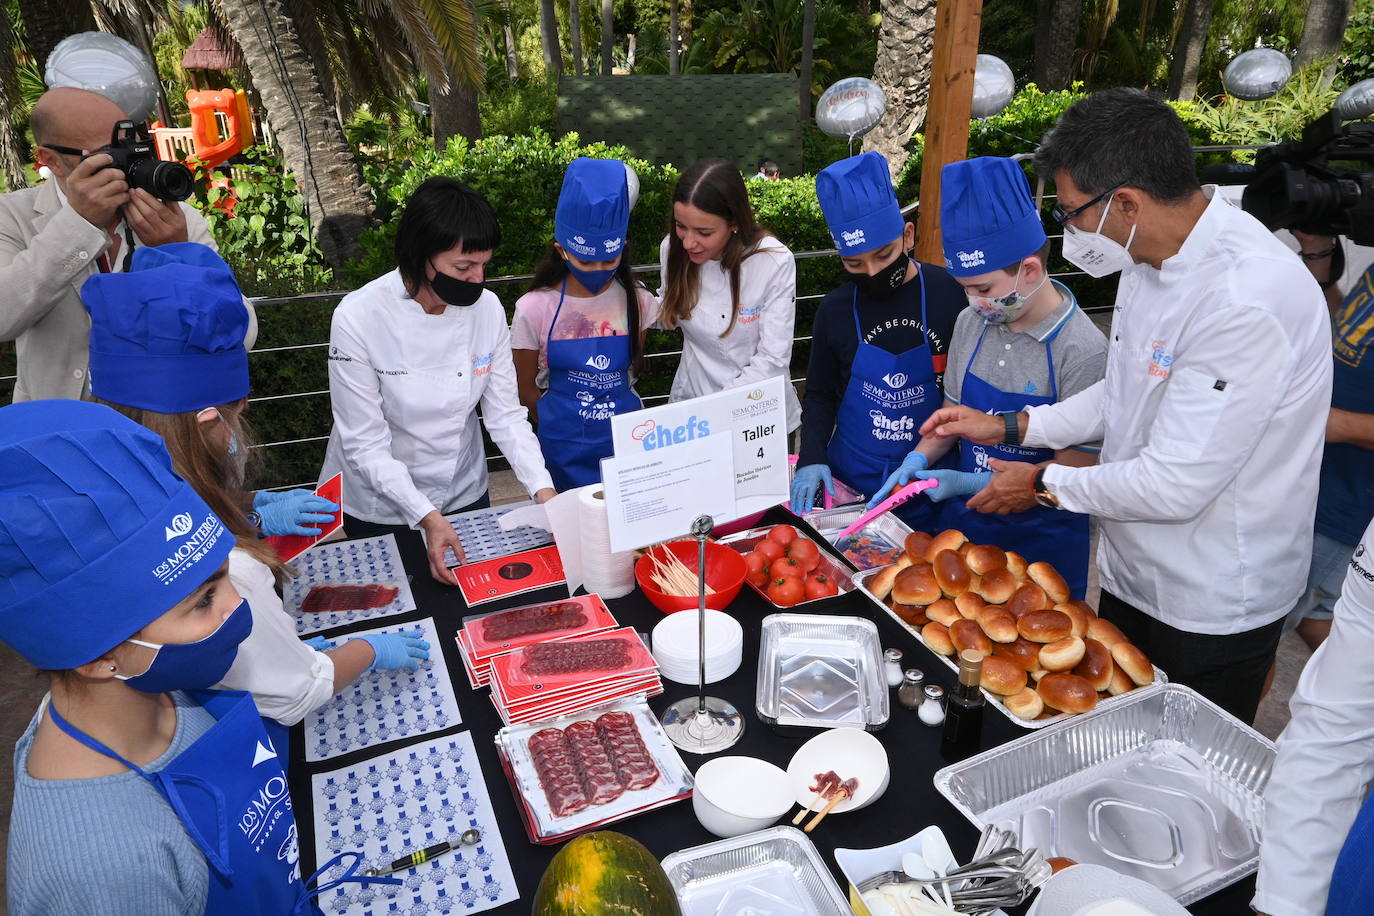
<point x="1017" y="565"/>
<point x="970" y="605"/>
<point x="1077" y="615"/>
<point x="915" y="585"/>
<point x="1048" y="578"/>
<point x="1026" y="704"/>
<point x="1083" y="606"/>
<point x="1097" y="665"/>
<point x="1037" y="674"/>
<point x="965" y="634"/>
<point x="880" y="584"/>
<point x="910" y="614"/>
<point x="1121" y="682"/>
<point x="945" y="540"/>
<point x="1062" y="654"/>
<point x="951" y="572"/>
<point x="984" y="558"/>
<point x="1067" y="692"/>
<point x="998" y="624"/>
<point x="1028" y="597"/>
<point x="1105" y="632"/>
<point x="915" y="546"/>
<point x="903" y="561"/>
<point x="936" y="637"/>
<point x="1131" y="660"/>
<point x="1024" y="652"/>
<point x="944" y="611"/>
<point x="1002" y="677"/>
<point x="964" y="548"/>
<point x="997" y="586"/>
<point x="1045" y="626"/>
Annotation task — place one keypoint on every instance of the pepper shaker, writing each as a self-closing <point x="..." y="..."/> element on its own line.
<point x="910" y="693"/>
<point x="932" y="711"/>
<point x="892" y="666"/>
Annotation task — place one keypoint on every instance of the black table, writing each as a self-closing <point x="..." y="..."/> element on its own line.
<point x="909" y="804"/>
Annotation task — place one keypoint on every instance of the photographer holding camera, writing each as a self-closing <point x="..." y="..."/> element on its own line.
<point x="85" y="219"/>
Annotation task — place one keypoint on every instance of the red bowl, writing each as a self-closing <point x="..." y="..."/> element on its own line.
<point x="725" y="571"/>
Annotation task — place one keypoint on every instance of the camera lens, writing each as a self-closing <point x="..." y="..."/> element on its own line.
<point x="163" y="180"/>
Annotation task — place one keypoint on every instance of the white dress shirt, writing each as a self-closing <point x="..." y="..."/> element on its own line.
<point x="759" y="346"/>
<point x="287" y="678"/>
<point x="1212" y="417"/>
<point x="1326" y="756"/>
<point x="405" y="386"/>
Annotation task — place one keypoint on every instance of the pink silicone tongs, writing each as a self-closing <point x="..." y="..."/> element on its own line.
<point x="887" y="505"/>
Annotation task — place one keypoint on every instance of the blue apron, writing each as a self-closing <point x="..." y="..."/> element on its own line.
<point x="229" y="791"/>
<point x="888" y="397"/>
<point x="589" y="382"/>
<point x="1352" y="880"/>
<point x="1057" y="537"/>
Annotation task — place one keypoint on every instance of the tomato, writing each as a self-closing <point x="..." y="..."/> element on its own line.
<point x="820" y="586"/>
<point x="805" y="552"/>
<point x="770" y="549"/>
<point x="786" y="566"/>
<point x="756" y="568"/>
<point x="783" y="534"/>
<point x="786" y="591"/>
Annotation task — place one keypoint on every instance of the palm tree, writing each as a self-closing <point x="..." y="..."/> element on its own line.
<point x="548" y="37"/>
<point x="1323" y="31"/>
<point x="905" y="45"/>
<point x="808" y="50"/>
<point x="1056" y="34"/>
<point x="607" y="36"/>
<point x="13" y="150"/>
<point x="1188" y="48"/>
<point x="575" y="34"/>
<point x="672" y="37"/>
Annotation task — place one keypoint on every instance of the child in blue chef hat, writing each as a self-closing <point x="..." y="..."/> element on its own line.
<point x="167" y="352"/>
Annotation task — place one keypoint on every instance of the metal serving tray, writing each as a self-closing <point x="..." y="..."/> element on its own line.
<point x="1163" y="786"/>
<point x="745" y="541"/>
<point x="886" y="532"/>
<point x="859" y="582"/>
<point x="777" y="872"/>
<point x="821" y="672"/>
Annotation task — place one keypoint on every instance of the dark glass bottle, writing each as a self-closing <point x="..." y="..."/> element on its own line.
<point x="963" y="732"/>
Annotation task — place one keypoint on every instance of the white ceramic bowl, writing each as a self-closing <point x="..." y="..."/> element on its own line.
<point x="850" y="752"/>
<point x="735" y="795"/>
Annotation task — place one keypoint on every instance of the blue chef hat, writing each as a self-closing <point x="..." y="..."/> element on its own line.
<point x="987" y="217"/>
<point x="98" y="536"/>
<point x="859" y="204"/>
<point x="168" y="335"/>
<point x="593" y="209"/>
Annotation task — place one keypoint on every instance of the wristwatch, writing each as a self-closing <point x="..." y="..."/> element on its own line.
<point x="1043" y="496"/>
<point x="1013" y="434"/>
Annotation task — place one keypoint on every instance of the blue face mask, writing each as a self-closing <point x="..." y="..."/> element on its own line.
<point x="595" y="281"/>
<point x="194" y="665"/>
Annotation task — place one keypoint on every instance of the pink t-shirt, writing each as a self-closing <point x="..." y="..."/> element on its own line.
<point x="602" y="315"/>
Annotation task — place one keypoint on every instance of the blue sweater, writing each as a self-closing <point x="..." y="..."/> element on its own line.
<point x="109" y="845"/>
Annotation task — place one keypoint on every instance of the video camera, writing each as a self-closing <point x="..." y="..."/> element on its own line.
<point x="131" y="148"/>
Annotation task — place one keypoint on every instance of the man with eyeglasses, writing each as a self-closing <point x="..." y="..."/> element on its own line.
<point x="1212" y="412"/>
<point x="82" y="220"/>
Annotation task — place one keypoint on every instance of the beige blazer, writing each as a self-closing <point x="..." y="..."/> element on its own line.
<point x="47" y="250"/>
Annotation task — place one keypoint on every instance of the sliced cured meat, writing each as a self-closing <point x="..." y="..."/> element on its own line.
<point x="546" y="658"/>
<point x="325" y="598"/>
<point x="633" y="765"/>
<point x="542" y="618"/>
<point x="558" y="777"/>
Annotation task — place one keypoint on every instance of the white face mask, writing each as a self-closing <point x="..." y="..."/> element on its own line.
<point x="1004" y="309"/>
<point x="1094" y="253"/>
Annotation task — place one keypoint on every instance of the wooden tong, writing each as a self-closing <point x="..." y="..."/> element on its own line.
<point x="835" y="799"/>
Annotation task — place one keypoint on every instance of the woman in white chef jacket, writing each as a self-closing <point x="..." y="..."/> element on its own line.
<point x="729" y="285"/>
<point x="411" y="356"/>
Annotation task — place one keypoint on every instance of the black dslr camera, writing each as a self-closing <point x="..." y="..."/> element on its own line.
<point x="131" y="148"/>
<point x="1322" y="184"/>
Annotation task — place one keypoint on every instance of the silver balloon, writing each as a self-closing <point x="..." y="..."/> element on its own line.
<point x="631" y="184"/>
<point x="1357" y="101"/>
<point x="1257" y="74"/>
<point x="993" y="86"/>
<point x="851" y="107"/>
<point x="106" y="64"/>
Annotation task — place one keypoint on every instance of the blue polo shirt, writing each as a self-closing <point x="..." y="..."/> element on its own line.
<point x="1345" y="502"/>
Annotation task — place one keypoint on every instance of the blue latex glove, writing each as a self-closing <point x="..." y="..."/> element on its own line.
<point x="292" y="511"/>
<point x="396" y="650"/>
<point x="906" y="472"/>
<point x="806" y="482"/>
<point x="319" y="643"/>
<point x="953" y="483"/>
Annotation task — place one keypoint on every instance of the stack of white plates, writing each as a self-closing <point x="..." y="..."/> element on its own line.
<point x="675" y="641"/>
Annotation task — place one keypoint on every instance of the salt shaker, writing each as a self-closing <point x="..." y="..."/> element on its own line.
<point x="932" y="711"/>
<point x="892" y="666"/>
<point x="909" y="694"/>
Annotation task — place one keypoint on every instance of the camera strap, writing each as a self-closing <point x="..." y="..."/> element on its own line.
<point x="127" y="264"/>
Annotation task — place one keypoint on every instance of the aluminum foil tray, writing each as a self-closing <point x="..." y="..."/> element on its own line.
<point x="886" y="535"/>
<point x="777" y="872"/>
<point x="994" y="699"/>
<point x="821" y="672"/>
<point x="1163" y="786"/>
<point x="745" y="541"/>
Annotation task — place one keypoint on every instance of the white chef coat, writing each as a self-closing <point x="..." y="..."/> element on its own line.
<point x="760" y="344"/>
<point x="404" y="387"/>
<point x="287" y="678"/>
<point x="1326" y="755"/>
<point x="1212" y="417"/>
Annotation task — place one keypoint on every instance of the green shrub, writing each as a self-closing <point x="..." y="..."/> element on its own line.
<point x="519" y="108"/>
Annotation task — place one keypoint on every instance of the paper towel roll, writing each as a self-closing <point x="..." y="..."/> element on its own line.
<point x="609" y="574"/>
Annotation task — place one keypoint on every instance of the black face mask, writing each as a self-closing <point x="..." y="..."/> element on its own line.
<point x="454" y="291"/>
<point x="885" y="282"/>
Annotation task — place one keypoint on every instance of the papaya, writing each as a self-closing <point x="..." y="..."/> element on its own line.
<point x="605" y="874"/>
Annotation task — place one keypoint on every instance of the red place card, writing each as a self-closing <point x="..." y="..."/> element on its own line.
<point x="289" y="546"/>
<point x="516" y="574"/>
